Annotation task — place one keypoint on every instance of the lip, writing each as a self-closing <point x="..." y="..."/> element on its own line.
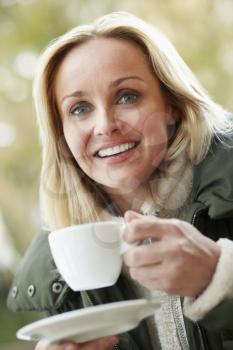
<point x="113" y="144"/>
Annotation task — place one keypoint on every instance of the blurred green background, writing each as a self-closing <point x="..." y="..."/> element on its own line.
<point x="202" y="31"/>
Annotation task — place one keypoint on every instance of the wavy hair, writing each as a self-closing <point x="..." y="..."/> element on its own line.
<point x="67" y="195"/>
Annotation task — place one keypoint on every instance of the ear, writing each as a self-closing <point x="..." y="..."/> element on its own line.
<point x="171" y="115"/>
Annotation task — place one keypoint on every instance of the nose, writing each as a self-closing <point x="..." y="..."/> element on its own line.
<point x="106" y="123"/>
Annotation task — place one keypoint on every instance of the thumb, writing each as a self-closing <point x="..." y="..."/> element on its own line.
<point x="132" y="215"/>
<point x="42" y="345"/>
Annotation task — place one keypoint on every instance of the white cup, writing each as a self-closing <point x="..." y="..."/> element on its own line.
<point x="88" y="256"/>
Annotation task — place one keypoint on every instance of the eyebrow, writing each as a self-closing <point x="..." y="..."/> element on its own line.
<point x="111" y="85"/>
<point x="120" y="80"/>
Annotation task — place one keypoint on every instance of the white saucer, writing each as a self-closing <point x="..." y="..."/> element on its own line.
<point x="90" y="323"/>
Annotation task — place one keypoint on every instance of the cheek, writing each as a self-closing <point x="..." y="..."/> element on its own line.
<point x="155" y="130"/>
<point x="76" y="141"/>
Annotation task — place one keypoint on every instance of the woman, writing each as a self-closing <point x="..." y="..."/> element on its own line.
<point x="127" y="130"/>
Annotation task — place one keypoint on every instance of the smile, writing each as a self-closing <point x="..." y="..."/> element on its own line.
<point x="112" y="151"/>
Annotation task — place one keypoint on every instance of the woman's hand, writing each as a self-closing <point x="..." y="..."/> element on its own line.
<point x="180" y="260"/>
<point x="99" y="344"/>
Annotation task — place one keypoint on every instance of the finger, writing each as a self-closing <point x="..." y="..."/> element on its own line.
<point x="149" y="276"/>
<point x="146" y="227"/>
<point x="132" y="215"/>
<point x="155" y="279"/>
<point x="69" y="345"/>
<point x="44" y="345"/>
<point x="144" y="255"/>
<point x="100" y="344"/>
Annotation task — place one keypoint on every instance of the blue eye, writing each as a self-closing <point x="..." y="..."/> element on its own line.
<point x="128" y="98"/>
<point x="80" y="109"/>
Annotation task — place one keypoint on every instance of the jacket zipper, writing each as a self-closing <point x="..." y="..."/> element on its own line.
<point x="116" y="347"/>
<point x="178" y="315"/>
<point x="200" y="332"/>
<point x="179" y="322"/>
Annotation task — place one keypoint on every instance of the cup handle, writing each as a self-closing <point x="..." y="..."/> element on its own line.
<point x="125" y="246"/>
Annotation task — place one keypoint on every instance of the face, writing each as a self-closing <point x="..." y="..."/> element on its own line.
<point x="114" y="115"/>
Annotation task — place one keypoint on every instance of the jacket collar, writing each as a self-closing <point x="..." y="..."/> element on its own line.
<point x="213" y="180"/>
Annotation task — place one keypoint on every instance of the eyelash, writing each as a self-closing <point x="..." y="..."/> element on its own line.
<point x="84" y="104"/>
<point x="134" y="94"/>
<point x="79" y="105"/>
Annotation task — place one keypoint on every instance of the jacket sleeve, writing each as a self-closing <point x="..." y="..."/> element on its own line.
<point x="213" y="211"/>
<point x="37" y="284"/>
<point x="213" y="308"/>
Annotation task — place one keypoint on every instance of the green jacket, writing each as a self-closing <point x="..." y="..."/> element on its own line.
<point x="38" y="286"/>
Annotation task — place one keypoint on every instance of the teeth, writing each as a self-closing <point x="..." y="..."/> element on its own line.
<point x="115" y="150"/>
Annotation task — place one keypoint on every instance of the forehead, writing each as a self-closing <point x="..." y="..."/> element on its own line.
<point x="111" y="55"/>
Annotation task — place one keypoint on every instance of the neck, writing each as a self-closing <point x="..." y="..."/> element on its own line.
<point x="132" y="200"/>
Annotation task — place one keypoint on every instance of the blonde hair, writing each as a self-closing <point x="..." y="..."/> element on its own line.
<point x="67" y="195"/>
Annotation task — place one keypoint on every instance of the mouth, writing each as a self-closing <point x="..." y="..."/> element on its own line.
<point x="116" y="150"/>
